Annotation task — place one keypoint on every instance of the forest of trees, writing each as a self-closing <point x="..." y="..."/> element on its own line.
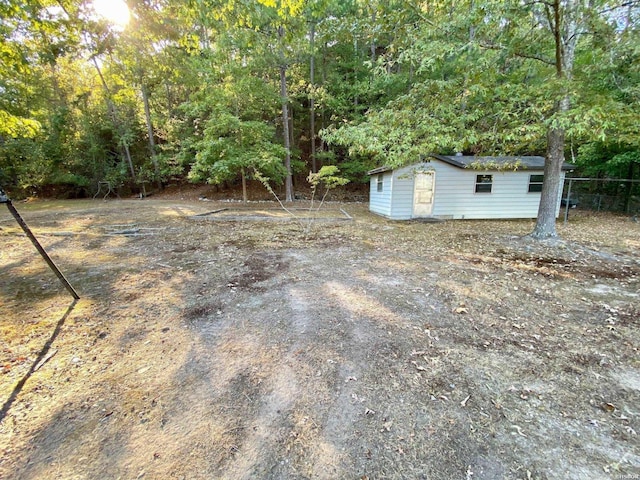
<point x="219" y="90"/>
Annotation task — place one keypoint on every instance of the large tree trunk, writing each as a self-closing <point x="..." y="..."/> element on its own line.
<point x="563" y="22"/>
<point x="546" y="222"/>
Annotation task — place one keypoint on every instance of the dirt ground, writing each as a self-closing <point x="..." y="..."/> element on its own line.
<point x="207" y="347"/>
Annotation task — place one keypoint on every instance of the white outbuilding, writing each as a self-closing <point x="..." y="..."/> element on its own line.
<point x="461" y="187"/>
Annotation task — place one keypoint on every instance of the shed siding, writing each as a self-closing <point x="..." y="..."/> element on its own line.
<point x="509" y="197"/>
<point x="455" y="195"/>
<point x="402" y="196"/>
<point x="380" y="202"/>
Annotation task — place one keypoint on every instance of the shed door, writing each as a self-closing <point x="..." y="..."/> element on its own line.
<point x="423" y="188"/>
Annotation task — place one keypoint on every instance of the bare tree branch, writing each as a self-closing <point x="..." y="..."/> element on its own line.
<point x="547" y="11"/>
<point x="634" y="3"/>
<point x="577" y="34"/>
<point x="531" y="56"/>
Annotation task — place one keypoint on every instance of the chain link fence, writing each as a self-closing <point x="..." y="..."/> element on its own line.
<point x="602" y="195"/>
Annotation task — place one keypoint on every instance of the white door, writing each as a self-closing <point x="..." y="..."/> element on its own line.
<point x="423" y="189"/>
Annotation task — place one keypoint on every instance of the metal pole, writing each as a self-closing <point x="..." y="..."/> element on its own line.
<point x="567" y="202"/>
<point x="4" y="199"/>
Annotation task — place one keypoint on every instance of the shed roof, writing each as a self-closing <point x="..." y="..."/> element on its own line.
<point x="526" y="162"/>
<point x="375" y="171"/>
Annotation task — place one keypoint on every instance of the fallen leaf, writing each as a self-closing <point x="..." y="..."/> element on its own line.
<point x="608" y="407"/>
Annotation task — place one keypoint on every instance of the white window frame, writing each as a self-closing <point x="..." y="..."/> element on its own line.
<point x="482" y="183"/>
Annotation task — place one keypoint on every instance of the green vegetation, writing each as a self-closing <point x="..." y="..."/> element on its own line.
<point x="214" y="90"/>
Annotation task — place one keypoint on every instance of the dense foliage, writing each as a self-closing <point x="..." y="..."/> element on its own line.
<point x="207" y="90"/>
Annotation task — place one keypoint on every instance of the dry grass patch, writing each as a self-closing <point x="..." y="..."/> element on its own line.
<point x="361" y="349"/>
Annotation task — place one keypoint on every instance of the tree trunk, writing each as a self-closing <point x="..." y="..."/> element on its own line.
<point x="312" y="106"/>
<point x="245" y="198"/>
<point x="323" y="82"/>
<point x="355" y="72"/>
<point x="563" y="22"/>
<point x="292" y="133"/>
<point x="286" y="135"/>
<point x="111" y="108"/>
<point x="546" y="222"/>
<point x="373" y="46"/>
<point x="285" y="125"/>
<point x="127" y="154"/>
<point x="152" y="142"/>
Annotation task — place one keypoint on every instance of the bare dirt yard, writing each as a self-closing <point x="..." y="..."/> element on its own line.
<point x="206" y="347"/>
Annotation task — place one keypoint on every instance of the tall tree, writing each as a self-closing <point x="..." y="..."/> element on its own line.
<point x="282" y="67"/>
<point x="389" y="81"/>
<point x="566" y="21"/>
<point x="496" y="78"/>
<point x="287" y="11"/>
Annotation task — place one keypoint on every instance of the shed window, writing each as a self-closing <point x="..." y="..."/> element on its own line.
<point x="379" y="182"/>
<point x="535" y="183"/>
<point x="484" y="183"/>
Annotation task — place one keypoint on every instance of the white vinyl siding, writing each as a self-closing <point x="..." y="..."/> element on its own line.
<point x="456" y="196"/>
<point x="380" y="201"/>
<point x="509" y="196"/>
<point x="402" y="204"/>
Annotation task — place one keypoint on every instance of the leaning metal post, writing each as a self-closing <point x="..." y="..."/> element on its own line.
<point x="7" y="201"/>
